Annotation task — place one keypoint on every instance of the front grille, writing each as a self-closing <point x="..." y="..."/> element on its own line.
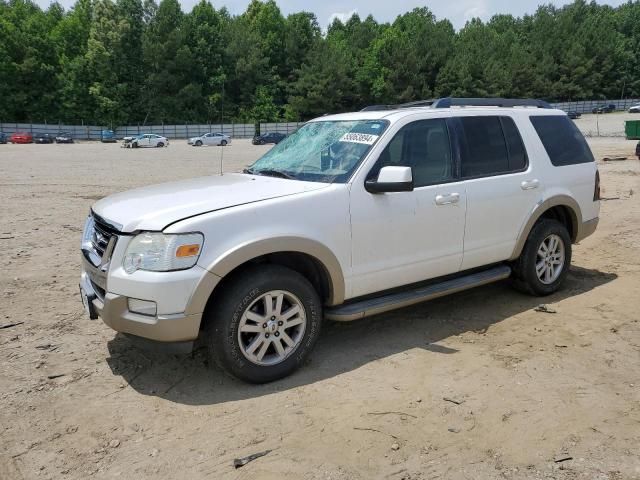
<point x="102" y="234"/>
<point x="100" y="292"/>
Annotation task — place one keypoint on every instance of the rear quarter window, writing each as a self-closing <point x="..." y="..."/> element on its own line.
<point x="562" y="140"/>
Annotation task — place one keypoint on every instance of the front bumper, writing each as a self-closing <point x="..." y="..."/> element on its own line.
<point x="114" y="311"/>
<point x="180" y="296"/>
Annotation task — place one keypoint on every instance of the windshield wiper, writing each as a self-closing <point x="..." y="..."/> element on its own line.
<point x="267" y="172"/>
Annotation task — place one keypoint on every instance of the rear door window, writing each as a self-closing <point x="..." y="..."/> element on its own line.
<point x="484" y="147"/>
<point x="517" y="154"/>
<point x="490" y="145"/>
<point x="562" y="140"/>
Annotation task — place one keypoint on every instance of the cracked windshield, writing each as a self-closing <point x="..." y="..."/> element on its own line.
<point x="325" y="151"/>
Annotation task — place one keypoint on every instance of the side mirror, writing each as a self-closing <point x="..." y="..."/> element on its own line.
<point x="391" y="179"/>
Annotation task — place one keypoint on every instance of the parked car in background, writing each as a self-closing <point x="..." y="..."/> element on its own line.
<point x="212" y="138"/>
<point x="3" y="138"/>
<point x="43" y="138"/>
<point x="573" y="115"/>
<point x="604" y="108"/>
<point x="146" y="140"/>
<point x="635" y="108"/>
<point x="64" y="137"/>
<point x="21" y="137"/>
<point x="268" y="138"/>
<point x="108" y="136"/>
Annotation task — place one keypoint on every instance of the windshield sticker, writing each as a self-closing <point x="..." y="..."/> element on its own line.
<point x="363" y="138"/>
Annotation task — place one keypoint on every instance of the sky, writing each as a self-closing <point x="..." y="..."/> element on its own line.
<point x="457" y="11"/>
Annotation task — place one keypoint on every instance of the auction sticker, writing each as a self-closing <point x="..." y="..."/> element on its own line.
<point x="363" y="138"/>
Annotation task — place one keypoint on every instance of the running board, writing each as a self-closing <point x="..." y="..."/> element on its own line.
<point x="392" y="301"/>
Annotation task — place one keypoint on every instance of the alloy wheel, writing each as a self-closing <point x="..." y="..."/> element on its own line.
<point x="272" y="327"/>
<point x="550" y="259"/>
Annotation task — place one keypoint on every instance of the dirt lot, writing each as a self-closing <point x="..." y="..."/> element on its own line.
<point x="478" y="385"/>
<point x="606" y="125"/>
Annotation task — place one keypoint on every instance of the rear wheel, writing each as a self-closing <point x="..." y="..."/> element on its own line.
<point x="545" y="259"/>
<point x="265" y="323"/>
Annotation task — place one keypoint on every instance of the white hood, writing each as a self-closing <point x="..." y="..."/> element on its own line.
<point x="156" y="206"/>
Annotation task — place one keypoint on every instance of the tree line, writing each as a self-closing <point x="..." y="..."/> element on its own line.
<point x="118" y="62"/>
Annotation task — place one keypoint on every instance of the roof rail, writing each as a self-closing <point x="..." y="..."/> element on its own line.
<point x="463" y="102"/>
<point x="417" y="103"/>
<point x="489" y="102"/>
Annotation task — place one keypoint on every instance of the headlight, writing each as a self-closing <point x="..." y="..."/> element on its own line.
<point x="87" y="233"/>
<point x="160" y="252"/>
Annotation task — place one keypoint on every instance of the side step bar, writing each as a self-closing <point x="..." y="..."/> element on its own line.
<point x="392" y="301"/>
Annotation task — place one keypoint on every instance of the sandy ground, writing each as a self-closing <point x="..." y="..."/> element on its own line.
<point x="477" y="385"/>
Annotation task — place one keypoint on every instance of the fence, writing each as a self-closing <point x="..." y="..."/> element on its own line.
<point x="85" y="132"/>
<point x="248" y="130"/>
<point x="93" y="132"/>
<point x="587" y="106"/>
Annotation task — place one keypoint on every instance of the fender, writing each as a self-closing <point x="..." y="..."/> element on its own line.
<point x="245" y="252"/>
<point x="539" y="209"/>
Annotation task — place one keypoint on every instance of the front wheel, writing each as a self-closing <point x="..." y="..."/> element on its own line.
<point x="198" y="143"/>
<point x="160" y="144"/>
<point x="223" y="143"/>
<point x="265" y="323"/>
<point x="545" y="259"/>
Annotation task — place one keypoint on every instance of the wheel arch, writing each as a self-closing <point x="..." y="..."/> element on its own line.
<point x="312" y="259"/>
<point x="560" y="207"/>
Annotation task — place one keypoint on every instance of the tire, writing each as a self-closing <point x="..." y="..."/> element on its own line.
<point x="246" y="296"/>
<point x="198" y="143"/>
<point x="134" y="145"/>
<point x="261" y="142"/>
<point x="532" y="272"/>
<point x="223" y="143"/>
<point x="159" y="144"/>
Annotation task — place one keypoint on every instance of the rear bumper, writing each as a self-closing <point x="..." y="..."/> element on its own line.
<point x="587" y="228"/>
<point x="114" y="311"/>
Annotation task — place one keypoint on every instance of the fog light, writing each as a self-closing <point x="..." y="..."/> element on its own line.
<point x="143" y="307"/>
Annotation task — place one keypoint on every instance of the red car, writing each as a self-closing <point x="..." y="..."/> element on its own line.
<point x="21" y="137"/>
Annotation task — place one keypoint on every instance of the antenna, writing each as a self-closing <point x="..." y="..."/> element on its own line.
<point x="222" y="130"/>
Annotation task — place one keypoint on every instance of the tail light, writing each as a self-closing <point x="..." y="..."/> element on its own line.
<point x="596" y="189"/>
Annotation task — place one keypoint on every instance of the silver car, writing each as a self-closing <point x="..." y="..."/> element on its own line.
<point x="210" y="138"/>
<point x="635" y="108"/>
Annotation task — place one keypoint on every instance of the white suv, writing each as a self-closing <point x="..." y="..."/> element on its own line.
<point x="353" y="215"/>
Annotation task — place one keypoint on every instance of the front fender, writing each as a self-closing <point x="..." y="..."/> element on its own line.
<point x="231" y="259"/>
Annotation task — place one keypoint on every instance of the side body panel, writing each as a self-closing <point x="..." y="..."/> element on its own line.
<point x="401" y="238"/>
<point x="315" y="222"/>
<point x="499" y="205"/>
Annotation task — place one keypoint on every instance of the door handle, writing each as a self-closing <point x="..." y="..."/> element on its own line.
<point x="447" y="199"/>
<point x="530" y="184"/>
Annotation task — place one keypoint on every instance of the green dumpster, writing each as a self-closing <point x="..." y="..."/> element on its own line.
<point x="632" y="129"/>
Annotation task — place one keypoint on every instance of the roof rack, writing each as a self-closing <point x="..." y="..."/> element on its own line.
<point x="418" y="103"/>
<point x="463" y="102"/>
<point x="489" y="102"/>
